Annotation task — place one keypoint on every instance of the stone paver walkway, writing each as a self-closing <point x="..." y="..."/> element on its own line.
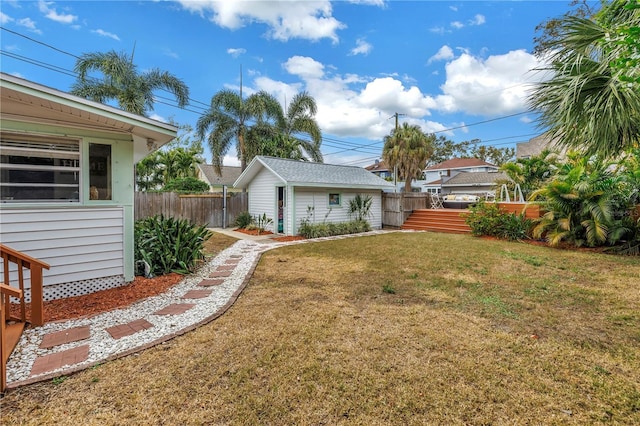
<point x="65" y="347"/>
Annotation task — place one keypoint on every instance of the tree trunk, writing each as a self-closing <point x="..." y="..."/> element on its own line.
<point x="407" y="185"/>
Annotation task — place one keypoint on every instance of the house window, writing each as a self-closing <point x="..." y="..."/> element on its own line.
<point x="39" y="168"/>
<point x="99" y="171"/>
<point x="335" y="199"/>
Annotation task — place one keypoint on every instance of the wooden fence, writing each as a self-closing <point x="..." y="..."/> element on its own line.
<point x="204" y="209"/>
<point x="396" y="207"/>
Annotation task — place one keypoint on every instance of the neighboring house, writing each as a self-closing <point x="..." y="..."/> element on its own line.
<point x="474" y="183"/>
<point x="379" y="168"/>
<point x="438" y="174"/>
<point x="207" y="173"/>
<point x="535" y="146"/>
<point x="67" y="184"/>
<point x="289" y="191"/>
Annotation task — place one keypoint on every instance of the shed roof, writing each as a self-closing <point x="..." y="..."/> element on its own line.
<point x="24" y="100"/>
<point x="308" y="174"/>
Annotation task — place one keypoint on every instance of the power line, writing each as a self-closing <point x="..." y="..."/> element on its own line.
<point x="327" y="141"/>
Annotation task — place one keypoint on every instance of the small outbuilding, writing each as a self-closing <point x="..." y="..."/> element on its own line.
<point x="289" y="191"/>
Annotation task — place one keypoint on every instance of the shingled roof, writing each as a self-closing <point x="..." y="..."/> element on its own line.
<point x="304" y="173"/>
<point x="460" y="163"/>
<point x="229" y="174"/>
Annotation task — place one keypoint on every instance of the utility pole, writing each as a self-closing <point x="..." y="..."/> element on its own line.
<point x="395" y="168"/>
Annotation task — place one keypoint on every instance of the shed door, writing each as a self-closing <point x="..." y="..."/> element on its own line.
<point x="280" y="196"/>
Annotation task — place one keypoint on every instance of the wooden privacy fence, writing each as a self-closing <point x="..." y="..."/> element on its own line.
<point x="396" y="207"/>
<point x="201" y="209"/>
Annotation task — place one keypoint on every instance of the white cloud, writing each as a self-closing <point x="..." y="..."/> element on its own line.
<point x="29" y="24"/>
<point x="104" y="33"/>
<point x="362" y="48"/>
<point x="454" y="8"/>
<point x="52" y="14"/>
<point x="457" y="25"/>
<point x="445" y="53"/>
<point x="5" y="19"/>
<point x="235" y="52"/>
<point x="170" y="53"/>
<point x="351" y="105"/>
<point x="438" y="30"/>
<point x="230" y="160"/>
<point x="285" y="19"/>
<point x="495" y="86"/>
<point x="368" y="2"/>
<point x="158" y="118"/>
<point x="304" y="67"/>
<point x="478" y="20"/>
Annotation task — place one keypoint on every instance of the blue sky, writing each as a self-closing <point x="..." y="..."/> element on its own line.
<point x="454" y="68"/>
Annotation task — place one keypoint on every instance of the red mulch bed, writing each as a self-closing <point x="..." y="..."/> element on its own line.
<point x="104" y="300"/>
<point x="279" y="239"/>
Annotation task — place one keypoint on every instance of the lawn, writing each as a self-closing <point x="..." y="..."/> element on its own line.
<point x="402" y="328"/>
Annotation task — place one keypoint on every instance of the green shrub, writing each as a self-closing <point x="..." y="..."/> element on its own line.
<point x="488" y="219"/>
<point x="243" y="220"/>
<point x="328" y="229"/>
<point x="186" y="185"/>
<point x="262" y="222"/>
<point x="164" y="245"/>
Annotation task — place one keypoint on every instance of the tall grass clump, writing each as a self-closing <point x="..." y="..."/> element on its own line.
<point x="164" y="245"/>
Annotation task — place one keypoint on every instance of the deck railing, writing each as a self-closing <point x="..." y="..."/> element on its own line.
<point x="11" y="326"/>
<point x="35" y="267"/>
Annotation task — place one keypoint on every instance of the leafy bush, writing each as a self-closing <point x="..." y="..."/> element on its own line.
<point x="360" y="207"/>
<point x="488" y="219"/>
<point x="187" y="185"/>
<point x="261" y="222"/>
<point x="164" y="245"/>
<point x="317" y="230"/>
<point x="243" y="220"/>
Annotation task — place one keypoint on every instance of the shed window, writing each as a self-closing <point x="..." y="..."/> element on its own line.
<point x="38" y="168"/>
<point x="335" y="200"/>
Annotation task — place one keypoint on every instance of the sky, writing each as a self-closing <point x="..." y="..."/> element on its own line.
<point x="461" y="69"/>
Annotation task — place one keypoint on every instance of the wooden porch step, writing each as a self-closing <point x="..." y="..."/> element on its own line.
<point x="438" y="220"/>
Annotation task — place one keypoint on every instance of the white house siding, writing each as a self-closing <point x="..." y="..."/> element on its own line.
<point x="84" y="246"/>
<point x="318" y="199"/>
<point x="262" y="195"/>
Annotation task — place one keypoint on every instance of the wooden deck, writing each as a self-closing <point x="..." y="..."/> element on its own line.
<point x="453" y="220"/>
<point x="438" y="220"/>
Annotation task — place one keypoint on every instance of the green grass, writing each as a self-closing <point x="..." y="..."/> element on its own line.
<point x="476" y="332"/>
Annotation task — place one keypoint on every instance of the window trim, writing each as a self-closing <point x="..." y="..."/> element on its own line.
<point x="333" y="204"/>
<point x="21" y="144"/>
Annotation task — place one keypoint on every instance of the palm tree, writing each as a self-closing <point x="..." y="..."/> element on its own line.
<point x="299" y="118"/>
<point x="121" y="82"/>
<point x="579" y="204"/>
<point x="149" y="173"/>
<point x="585" y="104"/>
<point x="285" y="136"/>
<point x="179" y="163"/>
<point x="408" y="149"/>
<point x="228" y="119"/>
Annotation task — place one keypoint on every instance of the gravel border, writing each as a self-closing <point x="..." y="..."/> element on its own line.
<point x="105" y="348"/>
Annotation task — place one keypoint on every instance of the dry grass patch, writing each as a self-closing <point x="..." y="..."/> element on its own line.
<point x="476" y="332"/>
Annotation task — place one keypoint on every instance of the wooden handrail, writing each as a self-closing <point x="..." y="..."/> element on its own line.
<point x="35" y="266"/>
